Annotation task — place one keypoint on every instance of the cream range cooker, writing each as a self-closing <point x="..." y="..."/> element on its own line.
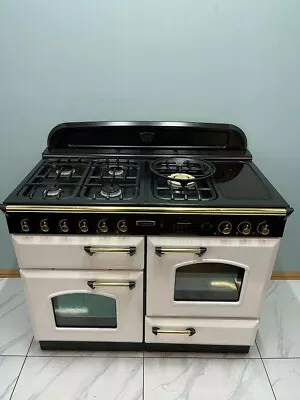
<point x="146" y="235"/>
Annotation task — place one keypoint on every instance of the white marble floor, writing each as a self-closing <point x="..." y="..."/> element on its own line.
<point x="271" y="370"/>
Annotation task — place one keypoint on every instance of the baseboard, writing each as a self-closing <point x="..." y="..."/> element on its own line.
<point x="286" y="276"/>
<point x="9" y="273"/>
<point x="276" y="276"/>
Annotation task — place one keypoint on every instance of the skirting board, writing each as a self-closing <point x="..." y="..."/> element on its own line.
<point x="280" y="276"/>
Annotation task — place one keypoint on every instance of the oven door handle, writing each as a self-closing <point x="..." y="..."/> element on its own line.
<point x="187" y="331"/>
<point x="199" y="251"/>
<point x="94" y="284"/>
<point x="91" y="250"/>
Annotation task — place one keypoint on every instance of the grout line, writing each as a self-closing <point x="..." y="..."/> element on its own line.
<point x="267" y="374"/>
<point x="256" y="344"/>
<point x="281" y="358"/>
<point x="78" y="354"/>
<point x="144" y="375"/>
<point x="17" y="380"/>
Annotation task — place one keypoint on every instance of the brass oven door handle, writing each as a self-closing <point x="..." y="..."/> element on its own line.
<point x="91" y="250"/>
<point x="94" y="284"/>
<point x="187" y="331"/>
<point x="199" y="251"/>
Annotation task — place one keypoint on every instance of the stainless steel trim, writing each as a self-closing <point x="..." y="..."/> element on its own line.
<point x="148" y="210"/>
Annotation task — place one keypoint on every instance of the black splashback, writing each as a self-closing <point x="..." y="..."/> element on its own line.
<point x="87" y="136"/>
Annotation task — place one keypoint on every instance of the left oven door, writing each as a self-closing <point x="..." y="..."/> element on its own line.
<point x="97" y="306"/>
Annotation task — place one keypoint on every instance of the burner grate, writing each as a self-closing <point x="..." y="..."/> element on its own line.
<point x="56" y="179"/>
<point x="112" y="179"/>
<point x="201" y="190"/>
<point x="183" y="179"/>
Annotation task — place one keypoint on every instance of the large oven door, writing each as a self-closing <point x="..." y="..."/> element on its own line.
<point x="85" y="305"/>
<point x="208" y="277"/>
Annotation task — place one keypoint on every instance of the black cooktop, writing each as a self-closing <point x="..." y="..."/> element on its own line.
<point x="173" y="181"/>
<point x="147" y="164"/>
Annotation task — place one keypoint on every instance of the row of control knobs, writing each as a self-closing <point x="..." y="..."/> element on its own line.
<point x="82" y="225"/>
<point x="244" y="228"/>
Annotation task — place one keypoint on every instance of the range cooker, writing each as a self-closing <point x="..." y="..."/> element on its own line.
<point x="146" y="235"/>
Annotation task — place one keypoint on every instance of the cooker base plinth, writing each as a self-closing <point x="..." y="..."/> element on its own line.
<point x="131" y="346"/>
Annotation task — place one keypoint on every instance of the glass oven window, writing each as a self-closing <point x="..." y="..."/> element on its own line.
<point x="84" y="310"/>
<point x="208" y="282"/>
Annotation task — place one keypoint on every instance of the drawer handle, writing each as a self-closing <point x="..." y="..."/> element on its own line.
<point x="199" y="251"/>
<point x="187" y="331"/>
<point x="93" y="250"/>
<point x="94" y="284"/>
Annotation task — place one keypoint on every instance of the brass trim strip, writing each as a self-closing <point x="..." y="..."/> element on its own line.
<point x="173" y="332"/>
<point x="147" y="210"/>
<point x="112" y="284"/>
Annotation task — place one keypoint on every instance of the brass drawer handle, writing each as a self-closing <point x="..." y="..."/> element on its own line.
<point x="91" y="250"/>
<point x="187" y="331"/>
<point x="94" y="284"/>
<point x="199" y="251"/>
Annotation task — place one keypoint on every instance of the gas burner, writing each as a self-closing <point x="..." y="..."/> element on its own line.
<point x="111" y="190"/>
<point x="182" y="171"/>
<point x="183" y="177"/>
<point x="66" y="171"/>
<point x="52" y="191"/>
<point x="116" y="171"/>
<point x="118" y="179"/>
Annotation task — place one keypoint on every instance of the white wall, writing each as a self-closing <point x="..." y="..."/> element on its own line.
<point x="232" y="61"/>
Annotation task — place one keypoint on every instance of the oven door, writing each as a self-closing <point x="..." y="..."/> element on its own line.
<point x="208" y="277"/>
<point x="85" y="305"/>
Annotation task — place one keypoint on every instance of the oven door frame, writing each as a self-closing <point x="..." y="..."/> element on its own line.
<point x="255" y="256"/>
<point x="126" y="287"/>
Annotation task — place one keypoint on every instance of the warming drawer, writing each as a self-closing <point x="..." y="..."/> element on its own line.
<point x="79" y="252"/>
<point x="236" y="332"/>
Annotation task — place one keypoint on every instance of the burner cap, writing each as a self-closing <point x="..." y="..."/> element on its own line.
<point x="111" y="190"/>
<point x="65" y="171"/>
<point x="116" y="171"/>
<point x="183" y="177"/>
<point x="52" y="191"/>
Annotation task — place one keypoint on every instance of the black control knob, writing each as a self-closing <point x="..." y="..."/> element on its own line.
<point x="44" y="225"/>
<point x="102" y="225"/>
<point x="63" y="224"/>
<point x="244" y="228"/>
<point x="83" y="225"/>
<point x="122" y="226"/>
<point x="263" y="229"/>
<point x="225" y="227"/>
<point x="24" y="225"/>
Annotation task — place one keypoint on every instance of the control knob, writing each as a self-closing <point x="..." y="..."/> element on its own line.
<point x="122" y="226"/>
<point x="263" y="228"/>
<point x="102" y="225"/>
<point x="225" y="227"/>
<point x="83" y="226"/>
<point x="44" y="225"/>
<point x="63" y="224"/>
<point x="244" y="228"/>
<point x="24" y="225"/>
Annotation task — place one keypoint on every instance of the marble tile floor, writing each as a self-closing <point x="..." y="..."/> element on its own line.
<point x="271" y="370"/>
